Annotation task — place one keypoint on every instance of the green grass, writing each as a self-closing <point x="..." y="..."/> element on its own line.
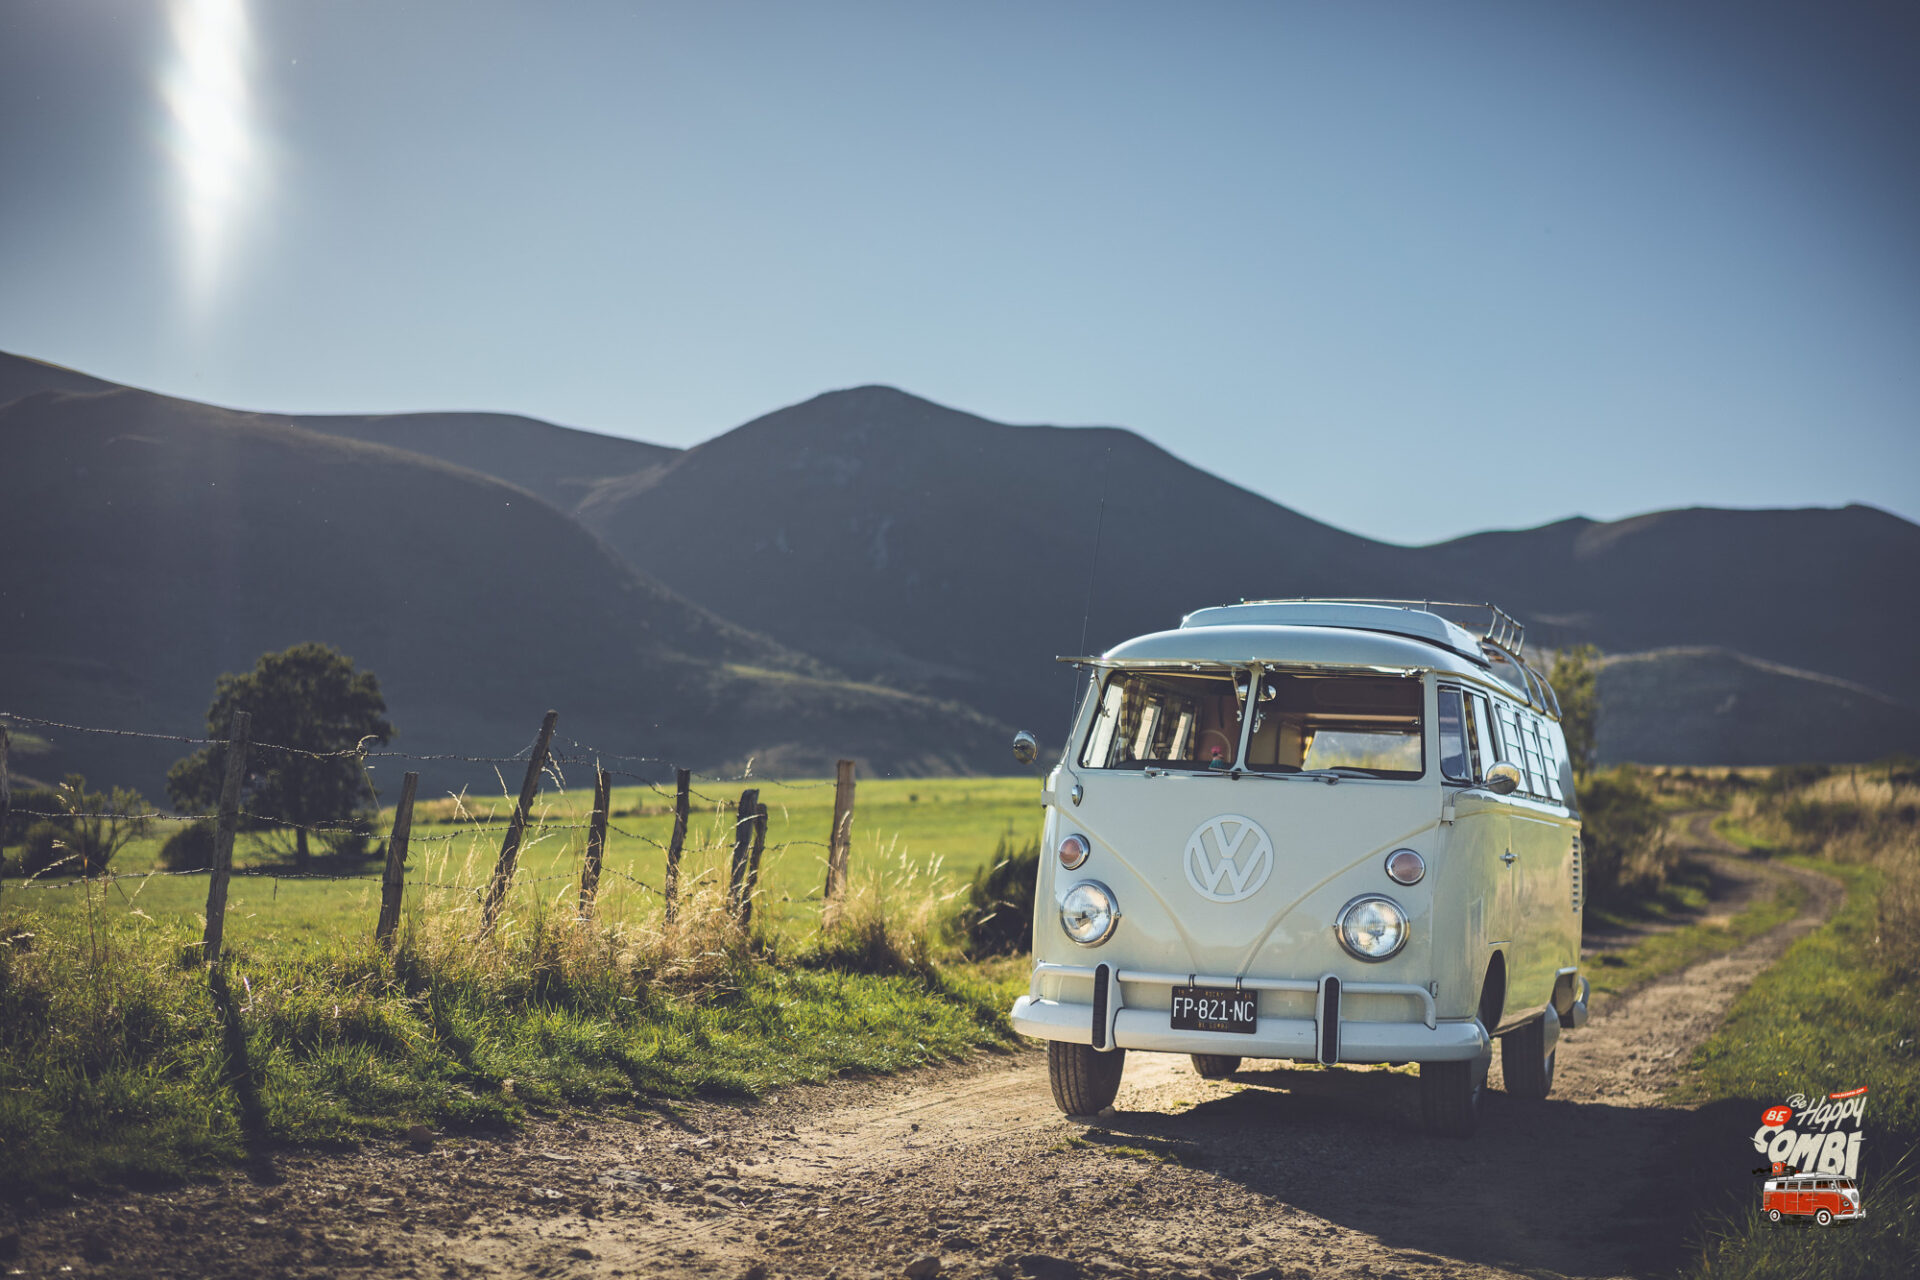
<point x="938" y="829"/>
<point x="1657" y="954"/>
<point x="122" y="1060"/>
<point x="1826" y="1017"/>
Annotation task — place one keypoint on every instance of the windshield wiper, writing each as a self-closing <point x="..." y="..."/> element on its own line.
<point x="1329" y="776"/>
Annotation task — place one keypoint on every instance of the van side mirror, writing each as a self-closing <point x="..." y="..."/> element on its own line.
<point x="1502" y="779"/>
<point x="1025" y="747"/>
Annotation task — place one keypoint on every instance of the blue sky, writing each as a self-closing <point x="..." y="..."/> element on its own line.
<point x="1415" y="269"/>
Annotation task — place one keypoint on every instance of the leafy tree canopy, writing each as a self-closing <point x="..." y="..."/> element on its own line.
<point x="310" y="698"/>
<point x="1576" y="680"/>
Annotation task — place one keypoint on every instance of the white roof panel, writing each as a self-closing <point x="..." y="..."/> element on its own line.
<point x="1303" y="645"/>
<point x="1392" y="619"/>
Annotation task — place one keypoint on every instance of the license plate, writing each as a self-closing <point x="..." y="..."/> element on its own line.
<point x="1213" y="1009"/>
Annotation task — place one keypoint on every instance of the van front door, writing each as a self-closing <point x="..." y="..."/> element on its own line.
<point x="1483" y="834"/>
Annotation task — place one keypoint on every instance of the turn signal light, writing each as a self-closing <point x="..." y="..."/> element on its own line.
<point x="1405" y="866"/>
<point x="1073" y="851"/>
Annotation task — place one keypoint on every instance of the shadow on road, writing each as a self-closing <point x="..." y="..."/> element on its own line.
<point x="1566" y="1187"/>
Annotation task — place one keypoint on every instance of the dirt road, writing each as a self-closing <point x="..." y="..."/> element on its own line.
<point x="1279" y="1171"/>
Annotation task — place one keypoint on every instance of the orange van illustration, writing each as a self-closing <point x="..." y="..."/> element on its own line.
<point x="1826" y="1200"/>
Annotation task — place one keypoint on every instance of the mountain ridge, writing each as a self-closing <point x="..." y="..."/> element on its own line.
<point x="885" y="538"/>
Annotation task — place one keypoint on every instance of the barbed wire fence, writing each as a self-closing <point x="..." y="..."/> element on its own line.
<point x="747" y="844"/>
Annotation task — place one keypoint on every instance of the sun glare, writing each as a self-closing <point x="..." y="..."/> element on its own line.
<point x="212" y="135"/>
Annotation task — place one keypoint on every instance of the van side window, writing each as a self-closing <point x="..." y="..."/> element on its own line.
<point x="1542" y="765"/>
<point x="1454" y="763"/>
<point x="1479" y="735"/>
<point x="1513" y="747"/>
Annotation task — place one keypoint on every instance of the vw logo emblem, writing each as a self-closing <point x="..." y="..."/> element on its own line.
<point x="1228" y="858"/>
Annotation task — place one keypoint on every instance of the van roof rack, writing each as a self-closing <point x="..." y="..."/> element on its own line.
<point x="1502" y="630"/>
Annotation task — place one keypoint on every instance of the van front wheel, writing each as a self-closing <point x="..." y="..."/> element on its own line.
<point x="1524" y="1061"/>
<point x="1215" y="1066"/>
<point x="1084" y="1080"/>
<point x="1824" y="1218"/>
<point x="1450" y="1096"/>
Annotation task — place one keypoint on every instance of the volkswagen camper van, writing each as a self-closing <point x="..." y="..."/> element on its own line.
<point x="1327" y="831"/>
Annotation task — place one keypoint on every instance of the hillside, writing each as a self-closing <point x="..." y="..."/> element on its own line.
<point x="153" y="544"/>
<point x="922" y="550"/>
<point x="558" y="463"/>
<point x="1713" y="706"/>
<point x="916" y="543"/>
<point x="898" y="538"/>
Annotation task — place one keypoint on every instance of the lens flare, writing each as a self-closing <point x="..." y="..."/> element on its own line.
<point x="212" y="137"/>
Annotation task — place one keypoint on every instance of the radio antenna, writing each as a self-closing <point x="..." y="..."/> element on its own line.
<point x="1093" y="567"/>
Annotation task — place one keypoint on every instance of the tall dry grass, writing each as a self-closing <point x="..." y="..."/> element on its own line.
<point x="1858" y="816"/>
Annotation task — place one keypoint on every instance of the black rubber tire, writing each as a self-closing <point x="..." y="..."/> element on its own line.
<point x="1084" y="1079"/>
<point x="1450" y="1094"/>
<point x="1215" y="1066"/>
<point x="1524" y="1062"/>
<point x="1773" y="1215"/>
<point x="1824" y="1218"/>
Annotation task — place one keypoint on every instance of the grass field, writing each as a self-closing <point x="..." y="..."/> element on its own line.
<point x="121" y="1059"/>
<point x="934" y="832"/>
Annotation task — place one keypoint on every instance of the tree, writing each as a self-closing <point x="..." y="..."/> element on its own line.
<point x="309" y="698"/>
<point x="1575" y="679"/>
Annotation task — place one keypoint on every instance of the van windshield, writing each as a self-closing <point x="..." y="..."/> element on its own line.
<point x="1167" y="721"/>
<point x="1360" y="724"/>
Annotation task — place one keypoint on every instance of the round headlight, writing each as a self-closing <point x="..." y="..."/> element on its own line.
<point x="1404" y="866"/>
<point x="1089" y="912"/>
<point x="1073" y="851"/>
<point x="1372" y="928"/>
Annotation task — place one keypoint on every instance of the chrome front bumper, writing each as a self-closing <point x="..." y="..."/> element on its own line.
<point x="1306" y="1039"/>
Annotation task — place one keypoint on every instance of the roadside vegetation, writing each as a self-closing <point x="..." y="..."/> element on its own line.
<point x="1838" y="1012"/>
<point x="122" y="1058"/>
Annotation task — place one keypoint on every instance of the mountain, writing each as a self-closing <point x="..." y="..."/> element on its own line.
<point x="919" y="544"/>
<point x="927" y="562"/>
<point x="1713" y="706"/>
<point x="152" y="544"/>
<point x="913" y="543"/>
<point x="22" y="376"/>
<point x="558" y="463"/>
<point x="1835" y="591"/>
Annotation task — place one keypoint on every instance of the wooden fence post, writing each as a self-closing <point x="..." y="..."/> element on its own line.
<point x="6" y="788"/>
<point x="742" y="844"/>
<point x="840" y="839"/>
<point x="393" y="884"/>
<point x="224" y="826"/>
<point x="753" y="865"/>
<point x="510" y="847"/>
<point x="682" y="784"/>
<point x="596" y="841"/>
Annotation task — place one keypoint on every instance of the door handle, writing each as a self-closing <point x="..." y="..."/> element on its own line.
<point x="1509" y="857"/>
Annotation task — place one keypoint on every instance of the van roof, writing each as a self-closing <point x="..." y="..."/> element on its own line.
<point x="1416" y="619"/>
<point x="1343" y="633"/>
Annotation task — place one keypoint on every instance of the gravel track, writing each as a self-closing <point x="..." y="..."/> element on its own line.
<point x="1278" y="1171"/>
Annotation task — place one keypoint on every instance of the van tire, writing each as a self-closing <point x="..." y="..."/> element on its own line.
<point x="1773" y="1215"/>
<point x="1084" y="1079"/>
<point x="1824" y="1218"/>
<point x="1450" y="1094"/>
<point x="1525" y="1064"/>
<point x="1215" y="1066"/>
